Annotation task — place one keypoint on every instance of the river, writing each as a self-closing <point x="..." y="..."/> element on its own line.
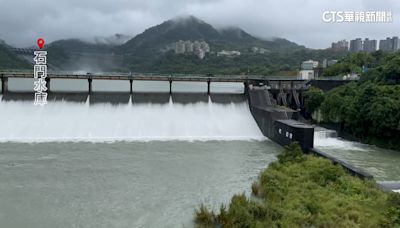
<point x="383" y="164"/>
<point x="123" y="184"/>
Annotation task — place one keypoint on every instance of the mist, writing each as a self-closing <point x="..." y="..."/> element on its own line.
<point x="297" y="20"/>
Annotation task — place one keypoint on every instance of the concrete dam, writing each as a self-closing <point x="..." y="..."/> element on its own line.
<point x="274" y="103"/>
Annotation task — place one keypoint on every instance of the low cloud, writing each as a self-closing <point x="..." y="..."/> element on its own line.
<point x="297" y="20"/>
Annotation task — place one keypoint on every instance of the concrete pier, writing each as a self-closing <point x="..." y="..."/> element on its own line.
<point x="48" y="84"/>
<point x="170" y="86"/>
<point x="90" y="85"/>
<point x="4" y="84"/>
<point x="208" y="87"/>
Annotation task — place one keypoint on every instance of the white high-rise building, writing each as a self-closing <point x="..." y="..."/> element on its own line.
<point x="390" y="44"/>
<point x="196" y="45"/>
<point x="204" y="46"/>
<point x="199" y="48"/>
<point x="356" y="45"/>
<point x="396" y="44"/>
<point x="369" y="45"/>
<point x="180" y="47"/>
<point x="188" y="46"/>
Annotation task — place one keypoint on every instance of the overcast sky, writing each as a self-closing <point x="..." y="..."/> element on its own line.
<point x="22" y="21"/>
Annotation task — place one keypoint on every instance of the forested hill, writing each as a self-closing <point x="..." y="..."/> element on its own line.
<point x="153" y="51"/>
<point x="9" y="60"/>
<point x="155" y="39"/>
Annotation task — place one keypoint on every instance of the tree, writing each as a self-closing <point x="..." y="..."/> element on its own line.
<point x="313" y="99"/>
<point x="391" y="70"/>
<point x="384" y="115"/>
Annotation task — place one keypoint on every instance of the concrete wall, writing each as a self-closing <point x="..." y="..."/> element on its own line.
<point x="349" y="168"/>
<point x="327" y="85"/>
<point x="275" y="121"/>
<point x="293" y="131"/>
<point x="278" y="124"/>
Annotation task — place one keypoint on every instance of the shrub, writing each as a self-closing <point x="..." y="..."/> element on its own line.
<point x="307" y="191"/>
<point x="291" y="153"/>
<point x="204" y="217"/>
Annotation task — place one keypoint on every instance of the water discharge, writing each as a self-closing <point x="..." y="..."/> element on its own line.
<point x="382" y="164"/>
<point x="78" y="122"/>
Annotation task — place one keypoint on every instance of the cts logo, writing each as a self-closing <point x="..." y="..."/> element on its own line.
<point x="333" y="16"/>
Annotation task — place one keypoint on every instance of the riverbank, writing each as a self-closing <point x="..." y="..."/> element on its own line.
<point x="303" y="190"/>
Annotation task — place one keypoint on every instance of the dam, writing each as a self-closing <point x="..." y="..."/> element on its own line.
<point x="139" y="163"/>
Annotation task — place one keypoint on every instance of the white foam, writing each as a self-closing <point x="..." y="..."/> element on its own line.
<point x="324" y="138"/>
<point x="76" y="122"/>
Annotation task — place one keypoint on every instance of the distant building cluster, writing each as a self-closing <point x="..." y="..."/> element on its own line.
<point x="311" y="69"/>
<point x="327" y="63"/>
<point x="229" y="53"/>
<point x="259" y="50"/>
<point x="367" y="45"/>
<point x="341" y="45"/>
<point x="358" y="45"/>
<point x="199" y="48"/>
<point x="390" y="44"/>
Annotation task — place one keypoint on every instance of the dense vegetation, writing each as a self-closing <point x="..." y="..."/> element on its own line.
<point x="271" y="63"/>
<point x="306" y="191"/>
<point x="9" y="60"/>
<point x="369" y="109"/>
<point x="313" y="99"/>
<point x="358" y="63"/>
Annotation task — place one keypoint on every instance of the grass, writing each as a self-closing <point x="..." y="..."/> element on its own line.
<point x="306" y="191"/>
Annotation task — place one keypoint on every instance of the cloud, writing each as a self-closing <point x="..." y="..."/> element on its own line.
<point x="22" y="21"/>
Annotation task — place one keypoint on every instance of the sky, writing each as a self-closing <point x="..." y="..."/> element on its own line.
<point x="300" y="21"/>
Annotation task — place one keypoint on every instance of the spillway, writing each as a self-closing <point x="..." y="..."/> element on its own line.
<point x="61" y="121"/>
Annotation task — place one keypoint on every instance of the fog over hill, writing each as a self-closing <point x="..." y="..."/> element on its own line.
<point x="153" y="51"/>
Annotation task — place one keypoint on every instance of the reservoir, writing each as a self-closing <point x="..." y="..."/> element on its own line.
<point x="70" y="164"/>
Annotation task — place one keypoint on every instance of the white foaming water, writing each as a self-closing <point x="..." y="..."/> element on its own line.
<point x="324" y="138"/>
<point x="77" y="122"/>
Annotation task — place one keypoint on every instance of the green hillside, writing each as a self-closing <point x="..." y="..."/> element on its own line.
<point x="153" y="51"/>
<point x="9" y="60"/>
